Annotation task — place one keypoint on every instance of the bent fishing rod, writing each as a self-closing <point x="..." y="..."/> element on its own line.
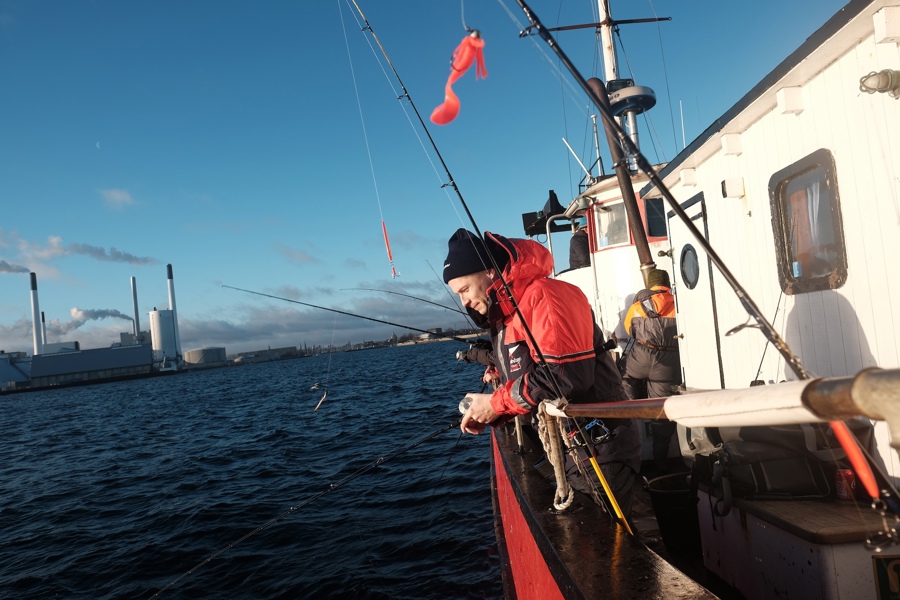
<point x="453" y="308"/>
<point x="332" y="487"/>
<point x="349" y="314"/>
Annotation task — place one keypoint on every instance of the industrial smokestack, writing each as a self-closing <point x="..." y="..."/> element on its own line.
<point x="137" y="321"/>
<point x="172" y="308"/>
<point x="36" y="317"/>
<point x="43" y="329"/>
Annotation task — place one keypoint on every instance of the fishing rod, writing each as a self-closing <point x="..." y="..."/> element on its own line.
<point x="542" y="361"/>
<point x="334" y="486"/>
<point x="848" y="442"/>
<point x="454" y="309"/>
<point x="349" y="314"/>
<point x="644" y="165"/>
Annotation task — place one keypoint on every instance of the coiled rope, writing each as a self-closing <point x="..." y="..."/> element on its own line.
<point x="548" y="430"/>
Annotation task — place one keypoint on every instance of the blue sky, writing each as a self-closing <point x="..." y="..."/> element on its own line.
<point x="258" y="145"/>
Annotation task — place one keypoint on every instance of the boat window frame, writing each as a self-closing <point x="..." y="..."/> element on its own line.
<point x="598" y="208"/>
<point x="790" y="275"/>
<point x="644" y="212"/>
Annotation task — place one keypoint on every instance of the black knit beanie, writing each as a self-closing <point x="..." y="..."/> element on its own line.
<point x="467" y="254"/>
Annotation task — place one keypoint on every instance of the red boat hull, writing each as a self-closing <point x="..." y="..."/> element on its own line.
<point x="580" y="553"/>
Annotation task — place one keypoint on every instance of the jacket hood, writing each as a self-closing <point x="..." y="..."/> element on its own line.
<point x="528" y="261"/>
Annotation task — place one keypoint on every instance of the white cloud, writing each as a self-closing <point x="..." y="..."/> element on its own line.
<point x="117" y="199"/>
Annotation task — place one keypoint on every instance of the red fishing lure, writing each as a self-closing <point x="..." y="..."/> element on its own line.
<point x="470" y="50"/>
<point x="387" y="244"/>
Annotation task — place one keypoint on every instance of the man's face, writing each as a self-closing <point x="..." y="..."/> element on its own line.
<point x="472" y="290"/>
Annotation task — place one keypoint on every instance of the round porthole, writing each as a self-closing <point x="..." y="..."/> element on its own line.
<point x="690" y="266"/>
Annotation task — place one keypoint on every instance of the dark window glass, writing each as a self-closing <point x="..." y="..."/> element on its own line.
<point x="690" y="267"/>
<point x="809" y="237"/>
<point x="656" y="217"/>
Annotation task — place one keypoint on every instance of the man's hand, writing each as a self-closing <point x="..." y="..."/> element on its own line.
<point x="479" y="415"/>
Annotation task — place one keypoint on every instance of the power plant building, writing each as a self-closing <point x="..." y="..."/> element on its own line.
<point x="64" y="368"/>
<point x="138" y="354"/>
<point x="162" y="332"/>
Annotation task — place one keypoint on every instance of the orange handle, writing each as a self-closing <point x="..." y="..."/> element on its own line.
<point x="857" y="460"/>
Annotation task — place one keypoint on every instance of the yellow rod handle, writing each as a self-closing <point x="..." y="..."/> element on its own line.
<point x="609" y="494"/>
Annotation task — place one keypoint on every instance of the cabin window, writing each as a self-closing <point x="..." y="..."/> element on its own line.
<point x="612" y="225"/>
<point x="806" y="218"/>
<point x="655" y="210"/>
<point x="690" y="266"/>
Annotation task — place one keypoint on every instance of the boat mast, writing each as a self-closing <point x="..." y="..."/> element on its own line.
<point x="631" y="101"/>
<point x="626" y="99"/>
<point x="610" y="61"/>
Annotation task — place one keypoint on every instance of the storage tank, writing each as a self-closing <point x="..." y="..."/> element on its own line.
<point x="205" y="356"/>
<point x="162" y="334"/>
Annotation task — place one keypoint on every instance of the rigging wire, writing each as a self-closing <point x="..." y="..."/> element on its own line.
<point x="662" y="56"/>
<point x="654" y="135"/>
<point x="644" y="165"/>
<point x="573" y="92"/>
<point x="840" y="429"/>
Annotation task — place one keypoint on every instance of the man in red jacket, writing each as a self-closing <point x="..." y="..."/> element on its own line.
<point x="560" y="318"/>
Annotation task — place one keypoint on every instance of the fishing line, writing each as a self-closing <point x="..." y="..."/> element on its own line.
<point x="366" y="139"/>
<point x="349" y="314"/>
<point x="447" y="464"/>
<point x="401" y="96"/>
<point x="328" y="369"/>
<point x="450" y="455"/>
<point x="334" y="486"/>
<point x="407" y="296"/>
<point x="542" y="361"/>
<point x="453" y="297"/>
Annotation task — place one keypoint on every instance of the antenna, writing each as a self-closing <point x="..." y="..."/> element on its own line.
<point x="588" y="173"/>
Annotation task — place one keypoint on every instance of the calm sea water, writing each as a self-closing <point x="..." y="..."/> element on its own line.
<point x="116" y="490"/>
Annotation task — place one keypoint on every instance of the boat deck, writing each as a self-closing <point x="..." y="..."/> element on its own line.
<point x="587" y="554"/>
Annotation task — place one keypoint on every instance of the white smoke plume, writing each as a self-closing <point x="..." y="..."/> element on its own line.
<point x="82" y="316"/>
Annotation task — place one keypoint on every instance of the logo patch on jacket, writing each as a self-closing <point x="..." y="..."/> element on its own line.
<point x="515" y="362"/>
